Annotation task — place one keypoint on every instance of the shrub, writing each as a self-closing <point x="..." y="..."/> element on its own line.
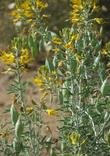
<point x="75" y="75"/>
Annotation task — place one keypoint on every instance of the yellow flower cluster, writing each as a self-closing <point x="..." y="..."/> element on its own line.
<point x="27" y="9"/>
<point x="7" y="58"/>
<point x="25" y="57"/>
<point x="56" y="40"/>
<point x="23" y="9"/>
<point x="77" y="8"/>
<point x="40" y="78"/>
<point x="41" y="5"/>
<point x="69" y="45"/>
<point x="79" y="14"/>
<point x="106" y="49"/>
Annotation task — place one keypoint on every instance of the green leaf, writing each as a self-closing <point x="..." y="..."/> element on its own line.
<point x="18" y="128"/>
<point x="33" y="45"/>
<point x="49" y="65"/>
<point x="105" y="88"/>
<point x="41" y="45"/>
<point x="96" y="61"/>
<point x="17" y="145"/>
<point x="52" y="152"/>
<point x="60" y="95"/>
<point x="101" y="71"/>
<point x="55" y="61"/>
<point x="14" y="114"/>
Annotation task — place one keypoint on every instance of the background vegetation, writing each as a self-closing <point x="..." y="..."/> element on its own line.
<point x="56" y="20"/>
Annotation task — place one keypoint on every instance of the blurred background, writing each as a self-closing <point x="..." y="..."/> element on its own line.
<point x="58" y="11"/>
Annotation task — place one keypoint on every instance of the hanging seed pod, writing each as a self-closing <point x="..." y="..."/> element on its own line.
<point x="18" y="128"/>
<point x="14" y="114"/>
<point x="105" y="88"/>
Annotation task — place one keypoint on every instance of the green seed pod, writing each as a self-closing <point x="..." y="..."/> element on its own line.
<point x="14" y="114"/>
<point x="105" y="88"/>
<point x="18" y="128"/>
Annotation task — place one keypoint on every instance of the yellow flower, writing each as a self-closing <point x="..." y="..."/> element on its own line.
<point x="104" y="51"/>
<point x="26" y="9"/>
<point x="99" y="20"/>
<point x="55" y="50"/>
<point x="79" y="10"/>
<point x="74" y="37"/>
<point x="50" y="78"/>
<point x="51" y="112"/>
<point x="26" y="5"/>
<point x="60" y="63"/>
<point x="22" y="9"/>
<point x="77" y="7"/>
<point x="29" y="109"/>
<point x="94" y="6"/>
<point x="16" y="15"/>
<point x="56" y="40"/>
<point x="74" y="138"/>
<point x="25" y="57"/>
<point x="68" y="45"/>
<point x="7" y="58"/>
<point x="38" y="82"/>
<point x="41" y="5"/>
<point x="54" y="72"/>
<point x="28" y="13"/>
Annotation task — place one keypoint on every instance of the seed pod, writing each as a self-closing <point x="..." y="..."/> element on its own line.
<point x="105" y="88"/>
<point x="18" y="128"/>
<point x="14" y="114"/>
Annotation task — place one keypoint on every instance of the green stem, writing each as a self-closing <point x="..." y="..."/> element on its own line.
<point x="21" y="92"/>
